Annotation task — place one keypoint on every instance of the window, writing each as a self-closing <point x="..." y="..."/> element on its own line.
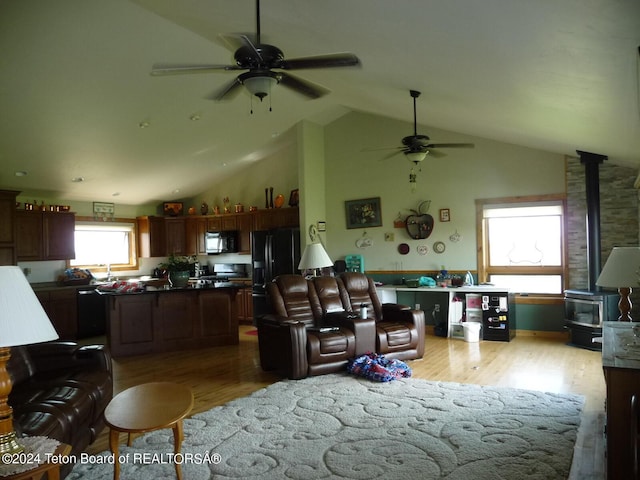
<point x="99" y="244"/>
<point x="521" y="243"/>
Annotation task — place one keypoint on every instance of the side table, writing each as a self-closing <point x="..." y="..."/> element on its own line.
<point x="148" y="407"/>
<point x="52" y="469"/>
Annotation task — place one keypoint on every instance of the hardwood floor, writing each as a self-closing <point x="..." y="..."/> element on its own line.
<point x="220" y="374"/>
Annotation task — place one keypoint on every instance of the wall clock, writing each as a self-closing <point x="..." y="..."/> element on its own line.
<point x="439" y="247"/>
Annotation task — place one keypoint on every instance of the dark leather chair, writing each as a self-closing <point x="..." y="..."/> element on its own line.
<point x="399" y="329"/>
<point x="60" y="390"/>
<point x="291" y="340"/>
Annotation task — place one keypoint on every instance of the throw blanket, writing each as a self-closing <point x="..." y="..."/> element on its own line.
<point x="378" y="368"/>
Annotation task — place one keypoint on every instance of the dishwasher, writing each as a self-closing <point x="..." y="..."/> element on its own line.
<point x="92" y="314"/>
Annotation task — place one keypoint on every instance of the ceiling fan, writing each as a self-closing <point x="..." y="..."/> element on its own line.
<point x="260" y="60"/>
<point x="416" y="147"/>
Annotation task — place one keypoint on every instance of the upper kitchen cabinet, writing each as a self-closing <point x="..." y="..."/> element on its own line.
<point x="276" y="218"/>
<point x="7" y="227"/>
<point x="45" y="235"/>
<point x="162" y="236"/>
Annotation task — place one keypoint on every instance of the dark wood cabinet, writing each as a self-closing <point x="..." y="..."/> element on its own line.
<point x="176" y="236"/>
<point x="61" y="305"/>
<point x="152" y="238"/>
<point x="45" y="235"/>
<point x="7" y="227"/>
<point x="245" y="306"/>
<point x="622" y="375"/>
<point x="276" y="218"/>
<point x="171" y="320"/>
<point x="162" y="236"/>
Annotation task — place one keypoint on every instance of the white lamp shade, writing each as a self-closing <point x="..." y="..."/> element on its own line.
<point x="22" y="319"/>
<point x="416" y="156"/>
<point x="260" y="86"/>
<point x="622" y="268"/>
<point x="314" y="256"/>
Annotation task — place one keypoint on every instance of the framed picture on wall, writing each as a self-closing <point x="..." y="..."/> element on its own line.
<point x="363" y="213"/>
<point x="444" y="215"/>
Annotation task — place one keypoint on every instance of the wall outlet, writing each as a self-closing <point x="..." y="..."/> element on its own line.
<point x="417" y="306"/>
<point x="436" y="307"/>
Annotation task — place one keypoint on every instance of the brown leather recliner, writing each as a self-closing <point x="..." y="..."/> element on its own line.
<point x="291" y="340"/>
<point x="399" y="330"/>
<point x="60" y="390"/>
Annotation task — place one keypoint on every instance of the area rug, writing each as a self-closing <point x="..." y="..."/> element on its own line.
<point x="343" y="427"/>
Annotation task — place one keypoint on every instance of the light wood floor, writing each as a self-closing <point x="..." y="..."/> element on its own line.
<point x="220" y="374"/>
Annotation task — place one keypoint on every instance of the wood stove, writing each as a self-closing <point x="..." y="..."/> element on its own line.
<point x="584" y="312"/>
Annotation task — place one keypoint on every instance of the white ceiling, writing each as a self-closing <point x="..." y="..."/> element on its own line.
<point x="557" y="75"/>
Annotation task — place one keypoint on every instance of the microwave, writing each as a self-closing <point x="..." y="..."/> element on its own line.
<point x="221" y="242"/>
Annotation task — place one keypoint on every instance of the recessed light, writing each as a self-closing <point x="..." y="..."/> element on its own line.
<point x="77" y="179"/>
<point x="21" y="173"/>
<point x="115" y="194"/>
<point x="177" y="190"/>
<point x="144" y="124"/>
<point x="195" y="117"/>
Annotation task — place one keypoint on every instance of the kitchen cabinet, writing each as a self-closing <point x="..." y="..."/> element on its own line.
<point x="245" y="305"/>
<point x="168" y="320"/>
<point x="45" y="235"/>
<point x="62" y="308"/>
<point x="196" y="227"/>
<point x="7" y="227"/>
<point x="245" y="225"/>
<point x="621" y="365"/>
<point x="276" y="218"/>
<point x="176" y="236"/>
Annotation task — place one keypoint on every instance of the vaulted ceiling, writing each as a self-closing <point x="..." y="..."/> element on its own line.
<point x="75" y="88"/>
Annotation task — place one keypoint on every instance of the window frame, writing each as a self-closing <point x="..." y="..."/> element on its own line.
<point x="485" y="270"/>
<point x="133" y="245"/>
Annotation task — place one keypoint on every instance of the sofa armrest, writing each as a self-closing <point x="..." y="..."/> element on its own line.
<point x="364" y="329"/>
<point x="414" y="319"/>
<point x="283" y="346"/>
<point x="395" y="307"/>
<point x="51" y="356"/>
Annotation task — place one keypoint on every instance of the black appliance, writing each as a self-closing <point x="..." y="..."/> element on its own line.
<point x="273" y="252"/>
<point x="226" y="272"/>
<point x="92" y="313"/>
<point x="221" y="242"/>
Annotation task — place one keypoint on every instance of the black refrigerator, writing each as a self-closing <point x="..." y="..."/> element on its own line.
<point x="273" y="252"/>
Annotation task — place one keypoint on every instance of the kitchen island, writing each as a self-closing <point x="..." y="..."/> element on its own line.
<point x="163" y="320"/>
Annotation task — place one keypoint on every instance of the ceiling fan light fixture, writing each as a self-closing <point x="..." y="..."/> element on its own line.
<point x="416" y="157"/>
<point x="260" y="85"/>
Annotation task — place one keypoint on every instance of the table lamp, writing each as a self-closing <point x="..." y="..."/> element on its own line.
<point x="22" y="322"/>
<point x="621" y="272"/>
<point x="314" y="257"/>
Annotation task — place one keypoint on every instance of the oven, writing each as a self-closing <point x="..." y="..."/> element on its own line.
<point x="584" y="312"/>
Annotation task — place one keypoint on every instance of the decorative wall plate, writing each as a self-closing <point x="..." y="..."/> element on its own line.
<point x="439" y="247"/>
<point x="422" y="249"/>
<point x="403" y="248"/>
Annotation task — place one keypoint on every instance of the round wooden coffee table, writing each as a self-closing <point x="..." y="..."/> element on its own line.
<point x="148" y="407"/>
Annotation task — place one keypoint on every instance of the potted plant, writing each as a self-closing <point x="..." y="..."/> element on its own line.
<point x="178" y="268"/>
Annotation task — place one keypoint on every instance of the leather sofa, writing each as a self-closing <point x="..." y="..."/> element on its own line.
<point x="399" y="329"/>
<point x="292" y="341"/>
<point x="60" y="390"/>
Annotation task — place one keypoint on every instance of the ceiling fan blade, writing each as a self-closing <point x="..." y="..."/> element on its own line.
<point x="305" y="87"/>
<point x="390" y="155"/>
<point x="321" y="61"/>
<point x="227" y="91"/>
<point x="381" y="149"/>
<point x="233" y="41"/>
<point x="436" y="154"/>
<point x="450" y="145"/>
<point x="179" y="69"/>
